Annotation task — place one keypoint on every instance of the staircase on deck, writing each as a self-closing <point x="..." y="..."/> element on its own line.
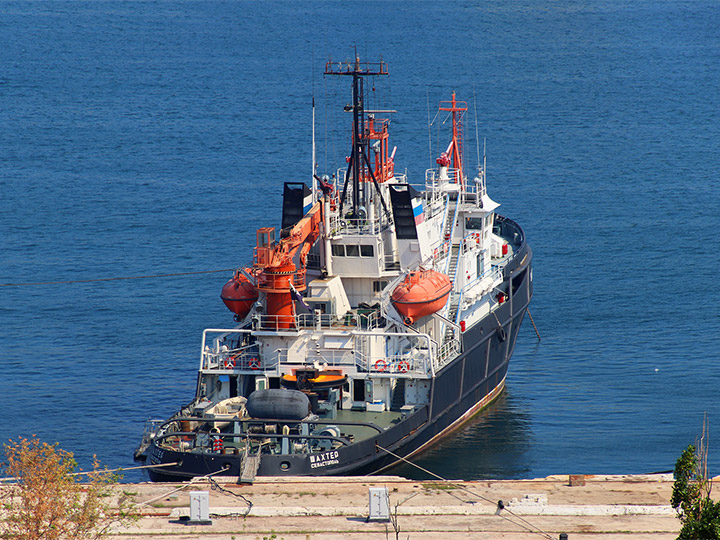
<point x="451" y="266"/>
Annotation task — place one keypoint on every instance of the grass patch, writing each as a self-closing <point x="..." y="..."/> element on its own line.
<point x="438" y="486"/>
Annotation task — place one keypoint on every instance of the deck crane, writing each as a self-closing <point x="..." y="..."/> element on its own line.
<point x="275" y="267"/>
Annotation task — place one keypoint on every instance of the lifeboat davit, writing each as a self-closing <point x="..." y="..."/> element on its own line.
<point x="239" y="294"/>
<point x="421" y="293"/>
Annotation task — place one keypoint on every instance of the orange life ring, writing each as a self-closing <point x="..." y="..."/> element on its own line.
<point x="381" y="365"/>
<point x="254" y="363"/>
<point x="230" y="362"/>
<point x="404" y="366"/>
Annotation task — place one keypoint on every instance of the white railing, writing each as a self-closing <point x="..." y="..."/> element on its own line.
<point x="494" y="273"/>
<point x="434" y="183"/>
<point x="324" y="358"/>
<point x="465" y="186"/>
<point x="293" y="323"/>
<point x="419" y="357"/>
<point x="341" y="225"/>
<point x="230" y="351"/>
<point x="448" y="351"/>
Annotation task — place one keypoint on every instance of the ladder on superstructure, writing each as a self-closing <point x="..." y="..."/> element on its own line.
<point x="457" y="109"/>
<point x="451" y="266"/>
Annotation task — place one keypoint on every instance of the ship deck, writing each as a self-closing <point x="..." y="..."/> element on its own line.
<point x="383" y="420"/>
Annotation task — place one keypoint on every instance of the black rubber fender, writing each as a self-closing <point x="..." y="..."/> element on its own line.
<point x="278" y="403"/>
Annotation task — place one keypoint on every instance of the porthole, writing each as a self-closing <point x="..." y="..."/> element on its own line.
<point x="285" y="466"/>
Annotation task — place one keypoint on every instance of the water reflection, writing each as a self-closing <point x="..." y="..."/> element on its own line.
<point x="495" y="444"/>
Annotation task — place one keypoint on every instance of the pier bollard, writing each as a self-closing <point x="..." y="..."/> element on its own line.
<point x="563" y="536"/>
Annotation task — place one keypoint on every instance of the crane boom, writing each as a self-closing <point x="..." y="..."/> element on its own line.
<point x="275" y="268"/>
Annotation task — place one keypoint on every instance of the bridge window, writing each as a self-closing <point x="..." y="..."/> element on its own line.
<point x="338" y="250"/>
<point x="352" y="251"/>
<point x="473" y="223"/>
<point x="367" y="251"/>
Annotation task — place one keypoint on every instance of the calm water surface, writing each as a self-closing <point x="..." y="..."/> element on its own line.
<point x="143" y="138"/>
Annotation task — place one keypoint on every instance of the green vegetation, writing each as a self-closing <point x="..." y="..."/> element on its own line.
<point x="45" y="502"/>
<point x="437" y="486"/>
<point x="698" y="513"/>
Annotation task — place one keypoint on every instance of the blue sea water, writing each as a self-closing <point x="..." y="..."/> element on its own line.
<point x="153" y="137"/>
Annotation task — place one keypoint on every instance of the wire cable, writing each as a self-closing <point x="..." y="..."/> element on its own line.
<point x="192" y="482"/>
<point x="218" y="487"/>
<point x="149" y="276"/>
<point x="527" y="525"/>
<point x="102" y="471"/>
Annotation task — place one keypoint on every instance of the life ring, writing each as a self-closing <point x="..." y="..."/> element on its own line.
<point x="254" y="363"/>
<point x="230" y="362"/>
<point x="381" y="365"/>
<point x="404" y="366"/>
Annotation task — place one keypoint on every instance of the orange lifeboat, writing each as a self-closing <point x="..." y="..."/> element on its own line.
<point x="313" y="379"/>
<point x="239" y="294"/>
<point x="421" y="293"/>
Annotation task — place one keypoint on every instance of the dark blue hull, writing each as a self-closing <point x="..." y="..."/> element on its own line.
<point x="459" y="390"/>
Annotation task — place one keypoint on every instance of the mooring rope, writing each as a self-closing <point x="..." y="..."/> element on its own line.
<point x="184" y="486"/>
<point x="102" y="471"/>
<point x="149" y="276"/>
<point x="501" y="507"/>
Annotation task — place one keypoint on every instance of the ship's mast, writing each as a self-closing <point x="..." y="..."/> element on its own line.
<point x="455" y="150"/>
<point x="359" y="155"/>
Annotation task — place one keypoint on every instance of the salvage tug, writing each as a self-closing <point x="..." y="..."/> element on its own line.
<point x="381" y="317"/>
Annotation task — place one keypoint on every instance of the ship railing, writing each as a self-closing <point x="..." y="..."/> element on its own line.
<point x="447" y="351"/>
<point x="293" y="323"/>
<point x="470" y="242"/>
<point x="324" y="358"/>
<point x="493" y="274"/>
<point x="411" y="361"/>
<point x="467" y="243"/>
<point x="230" y="350"/>
<point x="275" y="323"/>
<point x="339" y="184"/>
<point x="340" y="225"/>
<point x="397" y="364"/>
<point x="417" y="359"/>
<point x="371" y="320"/>
<point x="326" y="320"/>
<point x="279" y="281"/>
<point x="193" y="433"/>
<point x="441" y="252"/>
<point x="509" y="230"/>
<point x="434" y="183"/>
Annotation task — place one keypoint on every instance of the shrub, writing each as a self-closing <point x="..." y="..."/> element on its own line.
<point x="698" y="513"/>
<point x="45" y="502"/>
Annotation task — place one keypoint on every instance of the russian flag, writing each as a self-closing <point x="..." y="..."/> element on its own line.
<point x="418" y="211"/>
<point x="307" y="203"/>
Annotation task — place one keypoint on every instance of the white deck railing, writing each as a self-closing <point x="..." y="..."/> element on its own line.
<point x="229" y="351"/>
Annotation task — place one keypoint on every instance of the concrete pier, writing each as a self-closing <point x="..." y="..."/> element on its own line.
<point x="593" y="507"/>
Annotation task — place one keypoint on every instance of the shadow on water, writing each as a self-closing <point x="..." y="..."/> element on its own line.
<point x="493" y="444"/>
